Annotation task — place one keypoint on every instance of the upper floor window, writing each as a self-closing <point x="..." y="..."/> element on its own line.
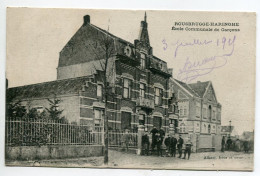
<point x="205" y="128"/>
<point x="210" y="112"/>
<point x="214" y="115"/>
<point x="219" y="114"/>
<point x="182" y="128"/>
<point x="127" y="88"/>
<point x="198" y="109"/>
<point x="209" y="129"/>
<point x="143" y="61"/>
<point x="158" y="96"/>
<point x="141" y="119"/>
<point x="204" y="113"/>
<point x="183" y="110"/>
<point x="213" y="129"/>
<point x="142" y="90"/>
<point x="99" y="90"/>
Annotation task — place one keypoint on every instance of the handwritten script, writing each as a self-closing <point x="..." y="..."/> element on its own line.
<point x="191" y="69"/>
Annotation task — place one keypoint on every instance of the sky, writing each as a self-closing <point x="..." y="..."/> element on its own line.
<point x="36" y="36"/>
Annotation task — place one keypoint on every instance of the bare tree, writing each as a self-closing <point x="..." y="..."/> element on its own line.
<point x="104" y="53"/>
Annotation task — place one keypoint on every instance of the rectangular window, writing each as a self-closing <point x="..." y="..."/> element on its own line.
<point x="219" y="114"/>
<point x="127" y="88"/>
<point x="181" y="110"/>
<point x="99" y="90"/>
<point x="185" y="110"/>
<point x="214" y="115"/>
<point x="98" y="117"/>
<point x="158" y="96"/>
<point x="125" y="120"/>
<point x="142" y="90"/>
<point x="198" y="109"/>
<point x="141" y="119"/>
<point x="142" y="61"/>
<point x="204" y="113"/>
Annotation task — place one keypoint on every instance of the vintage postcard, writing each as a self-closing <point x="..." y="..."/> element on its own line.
<point x="130" y="89"/>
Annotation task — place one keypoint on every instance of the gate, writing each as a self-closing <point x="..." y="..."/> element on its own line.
<point x="116" y="139"/>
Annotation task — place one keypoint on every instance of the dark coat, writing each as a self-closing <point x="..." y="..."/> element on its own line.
<point x="162" y="133"/>
<point x="180" y="143"/>
<point x="158" y="139"/>
<point x="154" y="131"/>
<point x="223" y="142"/>
<point x="167" y="141"/>
<point x="173" y="142"/>
<point x="145" y="139"/>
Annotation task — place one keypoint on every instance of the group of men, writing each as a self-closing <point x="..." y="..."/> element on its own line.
<point x="171" y="143"/>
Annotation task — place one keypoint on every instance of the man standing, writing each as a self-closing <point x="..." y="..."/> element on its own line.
<point x="153" y="132"/>
<point x="223" y="143"/>
<point x="173" y="143"/>
<point x="145" y="143"/>
<point x="246" y="146"/>
<point x="179" y="145"/>
<point x="188" y="145"/>
<point x="159" y="141"/>
<point x="167" y="143"/>
<point x="229" y="143"/>
<point x="162" y="133"/>
<point x="125" y="140"/>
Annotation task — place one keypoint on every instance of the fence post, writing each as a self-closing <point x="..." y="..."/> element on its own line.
<point x="139" y="139"/>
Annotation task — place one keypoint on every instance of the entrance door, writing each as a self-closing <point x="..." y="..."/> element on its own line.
<point x="125" y="120"/>
<point x="157" y="121"/>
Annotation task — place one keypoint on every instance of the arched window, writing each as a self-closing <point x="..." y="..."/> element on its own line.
<point x="209" y="129"/>
<point x="182" y="128"/>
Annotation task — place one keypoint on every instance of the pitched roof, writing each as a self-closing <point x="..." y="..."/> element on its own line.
<point x="47" y="89"/>
<point x="187" y="87"/>
<point x="200" y="87"/>
<point x="85" y="44"/>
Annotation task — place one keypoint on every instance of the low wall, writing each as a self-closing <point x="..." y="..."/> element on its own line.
<point x="52" y="152"/>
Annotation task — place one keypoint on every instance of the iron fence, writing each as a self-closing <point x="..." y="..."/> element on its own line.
<point x="118" y="138"/>
<point x="49" y="132"/>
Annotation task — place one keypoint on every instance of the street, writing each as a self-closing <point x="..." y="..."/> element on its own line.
<point x="205" y="161"/>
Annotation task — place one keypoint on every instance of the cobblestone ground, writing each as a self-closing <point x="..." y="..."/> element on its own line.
<point x="205" y="161"/>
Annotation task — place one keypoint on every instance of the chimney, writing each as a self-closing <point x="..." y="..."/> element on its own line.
<point x="170" y="71"/>
<point x="86" y="19"/>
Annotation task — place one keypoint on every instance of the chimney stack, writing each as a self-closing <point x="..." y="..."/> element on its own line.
<point x="86" y="19"/>
<point x="170" y="71"/>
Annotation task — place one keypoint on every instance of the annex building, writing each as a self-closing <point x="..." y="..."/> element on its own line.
<point x="199" y="113"/>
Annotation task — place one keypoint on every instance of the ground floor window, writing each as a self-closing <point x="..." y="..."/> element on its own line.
<point x="98" y="114"/>
<point x="125" y="120"/>
<point x="157" y="122"/>
<point x="141" y="119"/>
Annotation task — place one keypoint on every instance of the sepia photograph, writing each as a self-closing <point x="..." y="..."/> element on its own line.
<point x="139" y="89"/>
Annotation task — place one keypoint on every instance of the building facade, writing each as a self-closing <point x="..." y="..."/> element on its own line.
<point x="140" y="90"/>
<point x="199" y="113"/>
<point x="138" y="81"/>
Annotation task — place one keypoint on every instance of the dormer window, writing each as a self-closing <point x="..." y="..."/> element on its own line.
<point x="143" y="61"/>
